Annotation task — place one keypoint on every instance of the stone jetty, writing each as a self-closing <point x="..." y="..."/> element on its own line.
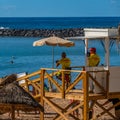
<point x="72" y="32"/>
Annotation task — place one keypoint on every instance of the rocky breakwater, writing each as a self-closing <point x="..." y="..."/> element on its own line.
<point x="42" y="32"/>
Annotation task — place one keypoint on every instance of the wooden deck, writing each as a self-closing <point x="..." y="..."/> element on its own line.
<point x="60" y="91"/>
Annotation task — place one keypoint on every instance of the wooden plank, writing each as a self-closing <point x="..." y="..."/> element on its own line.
<point x="70" y="111"/>
<point x="96" y="83"/>
<point x="54" y="82"/>
<point x="105" y="110"/>
<point x="114" y="95"/>
<point x="74" y="83"/>
<point x="29" y="75"/>
<point x="12" y="112"/>
<point x="67" y="96"/>
<point x="42" y="93"/>
<point x="77" y="90"/>
<point x="55" y="108"/>
<point x="86" y="100"/>
<point x="108" y="109"/>
<point x="107" y="83"/>
<point x="93" y="96"/>
<point x="63" y="85"/>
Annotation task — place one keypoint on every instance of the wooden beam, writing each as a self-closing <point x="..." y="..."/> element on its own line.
<point x="55" y="108"/>
<point x="63" y="84"/>
<point x="105" y="110"/>
<point x="12" y="112"/>
<point x="96" y="83"/>
<point x="70" y="111"/>
<point x="74" y="83"/>
<point x="42" y="93"/>
<point x="86" y="99"/>
<point x="54" y="82"/>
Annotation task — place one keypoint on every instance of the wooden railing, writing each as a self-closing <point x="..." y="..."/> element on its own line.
<point x="34" y="84"/>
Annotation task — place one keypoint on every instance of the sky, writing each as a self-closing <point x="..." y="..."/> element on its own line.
<point x="59" y="8"/>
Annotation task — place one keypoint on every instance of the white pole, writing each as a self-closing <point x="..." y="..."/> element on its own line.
<point x="53" y="57"/>
<point x="86" y="50"/>
<point x="107" y="61"/>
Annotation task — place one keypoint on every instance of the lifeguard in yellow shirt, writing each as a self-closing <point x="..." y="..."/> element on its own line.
<point x="65" y="63"/>
<point x="93" y="58"/>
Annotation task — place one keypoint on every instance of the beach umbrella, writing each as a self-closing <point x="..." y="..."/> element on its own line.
<point x="13" y="96"/>
<point x="53" y="41"/>
<point x="8" y="79"/>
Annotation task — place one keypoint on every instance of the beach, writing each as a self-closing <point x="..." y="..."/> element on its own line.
<point x="50" y="113"/>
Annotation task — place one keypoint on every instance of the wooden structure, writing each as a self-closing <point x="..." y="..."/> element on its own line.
<point x="81" y="95"/>
<point x="102" y="76"/>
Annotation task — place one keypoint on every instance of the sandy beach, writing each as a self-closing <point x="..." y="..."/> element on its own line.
<point x="50" y="113"/>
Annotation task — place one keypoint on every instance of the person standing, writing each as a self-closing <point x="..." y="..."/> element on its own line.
<point x="93" y="58"/>
<point x="93" y="61"/>
<point x="65" y="64"/>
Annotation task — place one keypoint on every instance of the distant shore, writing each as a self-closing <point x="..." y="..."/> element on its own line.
<point x="42" y="32"/>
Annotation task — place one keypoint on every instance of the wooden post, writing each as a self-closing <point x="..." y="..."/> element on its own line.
<point x="63" y="84"/>
<point x="107" y="83"/>
<point x="13" y="112"/>
<point x="26" y="85"/>
<point x="86" y="99"/>
<point x="107" y="62"/>
<point x="86" y="50"/>
<point x="42" y="92"/>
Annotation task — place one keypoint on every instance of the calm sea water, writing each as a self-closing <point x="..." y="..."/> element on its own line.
<point x="59" y="22"/>
<point x="30" y="59"/>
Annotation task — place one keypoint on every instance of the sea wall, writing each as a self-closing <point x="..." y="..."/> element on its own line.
<point x="42" y="32"/>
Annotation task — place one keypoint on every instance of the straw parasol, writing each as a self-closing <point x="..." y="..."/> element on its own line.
<point x="53" y="41"/>
<point x="13" y="96"/>
<point x="8" y="79"/>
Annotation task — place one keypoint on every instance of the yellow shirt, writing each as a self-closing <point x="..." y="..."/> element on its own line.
<point x="65" y="62"/>
<point x="93" y="60"/>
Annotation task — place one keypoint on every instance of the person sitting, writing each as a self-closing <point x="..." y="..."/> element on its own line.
<point x="65" y="63"/>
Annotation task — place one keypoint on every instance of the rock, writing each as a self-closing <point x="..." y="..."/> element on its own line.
<point x="42" y="32"/>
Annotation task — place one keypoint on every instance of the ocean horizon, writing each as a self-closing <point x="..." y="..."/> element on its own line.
<point x="58" y="22"/>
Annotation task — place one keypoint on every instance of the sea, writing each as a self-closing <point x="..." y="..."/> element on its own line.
<point x="18" y="55"/>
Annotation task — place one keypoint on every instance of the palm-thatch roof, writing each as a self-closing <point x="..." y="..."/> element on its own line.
<point x="8" y="79"/>
<point x="13" y="94"/>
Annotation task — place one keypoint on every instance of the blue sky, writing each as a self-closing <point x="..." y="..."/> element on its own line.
<point x="59" y="8"/>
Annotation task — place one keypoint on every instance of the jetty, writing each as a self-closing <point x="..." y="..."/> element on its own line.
<point x="71" y="32"/>
<point x="105" y="79"/>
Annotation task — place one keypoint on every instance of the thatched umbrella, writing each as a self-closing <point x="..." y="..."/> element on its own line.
<point x="8" y="79"/>
<point x="14" y="96"/>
